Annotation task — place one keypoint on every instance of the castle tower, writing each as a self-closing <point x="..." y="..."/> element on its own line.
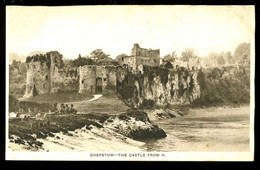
<point x="97" y="79"/>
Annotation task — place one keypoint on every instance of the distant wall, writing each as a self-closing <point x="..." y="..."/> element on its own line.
<point x="65" y="80"/>
<point x="143" y="52"/>
<point x="131" y="63"/>
<point x="141" y="56"/>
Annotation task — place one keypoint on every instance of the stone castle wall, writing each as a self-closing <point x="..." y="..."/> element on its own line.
<point x="141" y="56"/>
<point x="37" y="79"/>
<point x="49" y="76"/>
<point x="97" y="79"/>
<point x="143" y="52"/>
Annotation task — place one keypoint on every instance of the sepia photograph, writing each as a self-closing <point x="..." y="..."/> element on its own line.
<point x="130" y="82"/>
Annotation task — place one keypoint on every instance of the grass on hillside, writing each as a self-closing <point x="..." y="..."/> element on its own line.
<point x="58" y="98"/>
<point x="105" y="104"/>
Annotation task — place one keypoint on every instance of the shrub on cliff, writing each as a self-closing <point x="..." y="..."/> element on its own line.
<point x="147" y="104"/>
<point x="126" y="92"/>
<point x="218" y="89"/>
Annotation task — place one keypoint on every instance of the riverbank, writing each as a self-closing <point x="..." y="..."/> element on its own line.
<point x="87" y="132"/>
<point x="136" y="130"/>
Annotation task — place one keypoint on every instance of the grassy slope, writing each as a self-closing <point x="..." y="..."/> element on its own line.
<point x="58" y="98"/>
<point x="105" y="104"/>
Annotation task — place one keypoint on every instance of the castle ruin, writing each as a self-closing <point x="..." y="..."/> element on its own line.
<point x="139" y="77"/>
<point x="140" y="57"/>
<point x="97" y="79"/>
<point x="46" y="74"/>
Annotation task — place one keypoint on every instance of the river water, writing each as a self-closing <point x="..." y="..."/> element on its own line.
<point x="216" y="129"/>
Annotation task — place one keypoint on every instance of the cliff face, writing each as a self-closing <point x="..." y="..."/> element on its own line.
<point x="17" y="79"/>
<point x="159" y="86"/>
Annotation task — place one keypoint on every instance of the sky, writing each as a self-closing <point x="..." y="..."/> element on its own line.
<point x="78" y="30"/>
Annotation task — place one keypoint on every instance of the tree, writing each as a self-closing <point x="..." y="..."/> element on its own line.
<point x="68" y="63"/>
<point x="107" y="61"/>
<point x="213" y="56"/>
<point x="170" y="58"/>
<point x="22" y="68"/>
<point x="228" y="58"/>
<point x="98" y="54"/>
<point x="242" y="53"/>
<point x="168" y="65"/>
<point x="188" y="53"/>
<point x="81" y="61"/>
<point x="221" y="60"/>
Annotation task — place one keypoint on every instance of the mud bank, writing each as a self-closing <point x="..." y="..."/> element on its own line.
<point x="88" y="132"/>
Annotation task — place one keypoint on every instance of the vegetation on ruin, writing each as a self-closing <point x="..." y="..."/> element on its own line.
<point x="37" y="57"/>
<point x="17" y="78"/>
<point x="97" y="57"/>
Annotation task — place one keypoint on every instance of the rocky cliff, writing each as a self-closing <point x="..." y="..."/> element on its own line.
<point x="159" y="86"/>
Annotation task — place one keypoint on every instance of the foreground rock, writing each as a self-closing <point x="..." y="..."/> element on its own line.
<point x="80" y="132"/>
<point x="136" y="125"/>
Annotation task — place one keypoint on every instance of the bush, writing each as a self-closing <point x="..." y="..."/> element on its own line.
<point x="147" y="104"/>
<point x="126" y="92"/>
<point x="137" y="114"/>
